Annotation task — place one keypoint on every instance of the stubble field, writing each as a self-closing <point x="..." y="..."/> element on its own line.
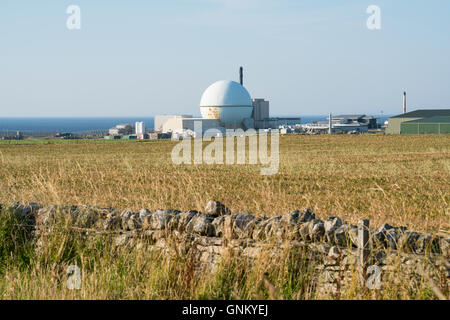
<point x="401" y="180"/>
<point x="395" y="179"/>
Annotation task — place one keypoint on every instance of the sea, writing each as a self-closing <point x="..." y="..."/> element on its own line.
<point x="96" y="124"/>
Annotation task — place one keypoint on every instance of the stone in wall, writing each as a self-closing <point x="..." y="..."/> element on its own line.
<point x="201" y="224"/>
<point x="222" y="233"/>
<point x="239" y="225"/>
<point x="215" y="208"/>
<point x="331" y="225"/>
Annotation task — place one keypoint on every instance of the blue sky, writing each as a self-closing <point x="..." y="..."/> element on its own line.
<point x="141" y="58"/>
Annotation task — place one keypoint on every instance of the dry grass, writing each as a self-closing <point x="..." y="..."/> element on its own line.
<point x="395" y="179"/>
<point x="402" y="180"/>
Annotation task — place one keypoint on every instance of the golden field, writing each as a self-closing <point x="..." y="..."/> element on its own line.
<point x="402" y="180"/>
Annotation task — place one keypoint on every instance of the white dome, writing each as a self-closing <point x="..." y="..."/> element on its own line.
<point x="226" y="93"/>
<point x="226" y="101"/>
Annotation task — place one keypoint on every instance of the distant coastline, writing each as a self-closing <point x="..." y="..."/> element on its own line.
<point x="80" y="125"/>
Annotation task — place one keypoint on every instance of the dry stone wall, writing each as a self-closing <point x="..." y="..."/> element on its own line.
<point x="339" y="249"/>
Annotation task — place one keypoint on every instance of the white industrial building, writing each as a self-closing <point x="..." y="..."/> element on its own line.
<point x="140" y="130"/>
<point x="225" y="105"/>
<point x="341" y="124"/>
<point x="161" y="119"/>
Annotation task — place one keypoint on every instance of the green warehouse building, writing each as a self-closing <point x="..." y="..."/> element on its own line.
<point x="433" y="125"/>
<point x="420" y="121"/>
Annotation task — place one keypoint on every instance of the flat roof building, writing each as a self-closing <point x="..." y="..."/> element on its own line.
<point x="362" y="119"/>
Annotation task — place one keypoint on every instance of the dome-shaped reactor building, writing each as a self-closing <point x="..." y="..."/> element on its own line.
<point x="224" y="105"/>
<point x="226" y="101"/>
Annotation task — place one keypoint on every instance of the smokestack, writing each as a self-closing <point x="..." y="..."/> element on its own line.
<point x="404" y="102"/>
<point x="241" y="75"/>
<point x="330" y="124"/>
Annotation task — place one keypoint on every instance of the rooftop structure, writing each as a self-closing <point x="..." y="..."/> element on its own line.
<point x="394" y="123"/>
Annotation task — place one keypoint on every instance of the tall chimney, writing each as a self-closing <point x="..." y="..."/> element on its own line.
<point x="330" y="124"/>
<point x="404" y="102"/>
<point x="241" y="75"/>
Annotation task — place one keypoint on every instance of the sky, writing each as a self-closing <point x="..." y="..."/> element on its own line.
<point x="142" y="58"/>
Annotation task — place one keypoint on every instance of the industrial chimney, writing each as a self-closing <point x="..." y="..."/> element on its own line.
<point x="330" y="124"/>
<point x="241" y="76"/>
<point x="404" y="102"/>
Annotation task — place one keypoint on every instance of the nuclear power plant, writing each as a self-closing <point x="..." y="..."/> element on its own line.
<point x="225" y="105"/>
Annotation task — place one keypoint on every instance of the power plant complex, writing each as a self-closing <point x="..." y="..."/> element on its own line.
<point x="228" y="105"/>
<point x="225" y="105"/>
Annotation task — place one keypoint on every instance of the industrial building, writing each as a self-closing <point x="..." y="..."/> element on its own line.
<point x="356" y="123"/>
<point x="140" y="130"/>
<point x="419" y="121"/>
<point x="433" y="125"/>
<point x="362" y="119"/>
<point x="127" y="132"/>
<point x="161" y="119"/>
<point x="225" y="105"/>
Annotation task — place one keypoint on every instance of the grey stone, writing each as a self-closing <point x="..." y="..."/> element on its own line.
<point x="291" y="218"/>
<point x="353" y="235"/>
<point x="272" y="227"/>
<point x="379" y="237"/>
<point x="306" y="215"/>
<point x="341" y="236"/>
<point x="185" y="218"/>
<point x="219" y="226"/>
<point x="144" y="213"/>
<point x="160" y="218"/>
<point x="391" y="238"/>
<point x="331" y="225"/>
<point x="316" y="230"/>
<point x="239" y="225"/>
<point x="83" y="216"/>
<point x="215" y="208"/>
<point x="111" y="222"/>
<point x="427" y="243"/>
<point x="201" y="224"/>
<point x="124" y="217"/>
<point x="303" y="230"/>
<point x="134" y="222"/>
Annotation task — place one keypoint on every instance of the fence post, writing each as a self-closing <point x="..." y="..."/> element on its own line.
<point x="363" y="247"/>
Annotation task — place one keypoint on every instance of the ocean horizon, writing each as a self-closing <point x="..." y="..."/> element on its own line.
<point x="88" y="124"/>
